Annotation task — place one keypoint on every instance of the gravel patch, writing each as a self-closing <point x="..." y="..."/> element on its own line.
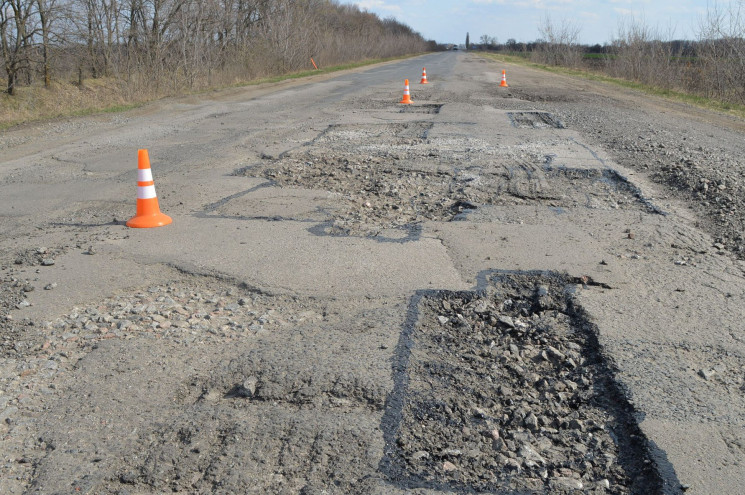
<point x="508" y="390"/>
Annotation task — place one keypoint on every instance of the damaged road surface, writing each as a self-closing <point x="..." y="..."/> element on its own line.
<point x="481" y="292"/>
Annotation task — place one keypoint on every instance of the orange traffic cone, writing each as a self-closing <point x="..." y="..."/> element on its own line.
<point x="424" y="76"/>
<point x="503" y="84"/>
<point x="148" y="213"/>
<point x="407" y="95"/>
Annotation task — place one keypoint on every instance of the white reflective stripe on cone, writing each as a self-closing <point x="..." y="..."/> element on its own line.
<point x="145" y="192"/>
<point x="144" y="175"/>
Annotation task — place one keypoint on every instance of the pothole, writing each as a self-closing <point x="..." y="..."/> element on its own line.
<point x="387" y="134"/>
<point x="535" y="120"/>
<point x="508" y="389"/>
<point x="427" y="108"/>
<point x="544" y="95"/>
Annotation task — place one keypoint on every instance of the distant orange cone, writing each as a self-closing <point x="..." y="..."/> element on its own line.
<point x="407" y="94"/>
<point x="148" y="212"/>
<point x="503" y="84"/>
<point x="424" y="76"/>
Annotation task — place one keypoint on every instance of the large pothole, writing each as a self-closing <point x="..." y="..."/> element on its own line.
<point x="379" y="193"/>
<point x="508" y="390"/>
<point x="535" y="120"/>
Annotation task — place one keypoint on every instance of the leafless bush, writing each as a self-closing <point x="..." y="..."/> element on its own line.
<point x="560" y="43"/>
<point x="720" y="71"/>
<point x="641" y="53"/>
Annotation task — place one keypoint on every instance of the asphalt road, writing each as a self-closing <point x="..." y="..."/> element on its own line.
<point x="331" y="210"/>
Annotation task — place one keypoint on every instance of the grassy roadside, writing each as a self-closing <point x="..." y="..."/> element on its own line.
<point x="699" y="101"/>
<point x="107" y="95"/>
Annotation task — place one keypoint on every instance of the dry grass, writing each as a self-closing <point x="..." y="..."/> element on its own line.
<point x="33" y="103"/>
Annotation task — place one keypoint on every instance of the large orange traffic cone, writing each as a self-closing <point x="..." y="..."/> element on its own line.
<point x="424" y="76"/>
<point x="503" y="84"/>
<point x="407" y="95"/>
<point x="148" y="212"/>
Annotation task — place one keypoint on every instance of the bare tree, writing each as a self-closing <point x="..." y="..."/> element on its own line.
<point x="18" y="26"/>
<point x="561" y="43"/>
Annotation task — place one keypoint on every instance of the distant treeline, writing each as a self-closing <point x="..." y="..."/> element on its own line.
<point x="165" y="46"/>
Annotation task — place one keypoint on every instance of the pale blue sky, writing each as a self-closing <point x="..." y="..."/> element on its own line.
<point x="447" y="21"/>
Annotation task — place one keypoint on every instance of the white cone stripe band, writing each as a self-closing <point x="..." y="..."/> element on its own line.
<point x="144" y="174"/>
<point x="145" y="192"/>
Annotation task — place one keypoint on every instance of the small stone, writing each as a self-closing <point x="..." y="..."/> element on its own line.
<point x="506" y="321"/>
<point x="576" y="424"/>
<point x="47" y="262"/>
<point x="28" y="288"/>
<point x="564" y="483"/>
<point x="23" y="304"/>
<point x="555" y="353"/>
<point x="531" y="421"/>
<point x="449" y="466"/>
<point x="248" y="387"/>
<point x="51" y="286"/>
<point x="530" y="456"/>
<point x="604" y="484"/>
<point x="443" y="319"/>
<point x="90" y="251"/>
<point x="707" y="374"/>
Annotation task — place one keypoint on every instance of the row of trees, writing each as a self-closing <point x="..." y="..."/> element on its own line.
<point x="158" y="45"/>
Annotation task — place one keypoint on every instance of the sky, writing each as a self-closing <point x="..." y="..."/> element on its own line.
<point x="598" y="21"/>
